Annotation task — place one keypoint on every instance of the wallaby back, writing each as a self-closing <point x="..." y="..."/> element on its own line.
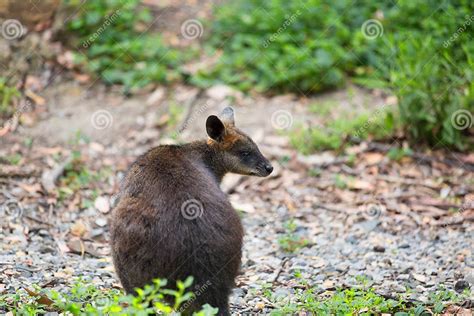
<point x="174" y="221"/>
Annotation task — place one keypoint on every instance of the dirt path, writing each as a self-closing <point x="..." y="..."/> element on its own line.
<point x="356" y="218"/>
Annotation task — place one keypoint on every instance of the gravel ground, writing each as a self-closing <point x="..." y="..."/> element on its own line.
<point x="371" y="228"/>
<point x="403" y="227"/>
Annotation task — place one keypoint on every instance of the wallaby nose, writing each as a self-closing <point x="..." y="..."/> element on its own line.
<point x="269" y="168"/>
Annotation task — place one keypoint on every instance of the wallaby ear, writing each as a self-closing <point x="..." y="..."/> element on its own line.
<point x="215" y="128"/>
<point x="227" y="115"/>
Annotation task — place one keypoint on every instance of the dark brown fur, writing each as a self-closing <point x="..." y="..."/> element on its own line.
<point x="151" y="238"/>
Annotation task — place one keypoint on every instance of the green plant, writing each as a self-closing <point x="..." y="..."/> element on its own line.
<point x="340" y="182"/>
<point x="343" y="302"/>
<point x="421" y="52"/>
<point x="322" y="108"/>
<point x="77" y="175"/>
<point x="361" y="300"/>
<point x="336" y="133"/>
<point x="439" y="298"/>
<point x="426" y="61"/>
<point x="397" y="153"/>
<point x="86" y="299"/>
<point x="314" y="172"/>
<point x="112" y="35"/>
<point x="175" y="113"/>
<point x="364" y="302"/>
<point x="7" y="94"/>
<point x="13" y="159"/>
<point x="278" y="45"/>
<point x="290" y="241"/>
<point x="428" y="104"/>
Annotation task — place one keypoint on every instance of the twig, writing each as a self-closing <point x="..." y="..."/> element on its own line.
<point x="27" y="269"/>
<point x="456" y="221"/>
<point x="13" y="171"/>
<point x="394" y="179"/>
<point x="321" y="161"/>
<point x="434" y="211"/>
<point x="38" y="220"/>
<point x="329" y="208"/>
<point x="397" y="195"/>
<point x="8" y="195"/>
<point x="40" y="298"/>
<point x="439" y="204"/>
<point x="49" y="177"/>
<point x="374" y="146"/>
<point x="189" y="105"/>
<point x="280" y="269"/>
<point x="349" y="170"/>
<point x="267" y="302"/>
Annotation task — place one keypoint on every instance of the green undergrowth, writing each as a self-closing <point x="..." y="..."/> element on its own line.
<point x="78" y="176"/>
<point x="362" y="301"/>
<point x="113" y="40"/>
<point x="422" y="52"/>
<point x="7" y="95"/>
<point x="84" y="298"/>
<point x="336" y="134"/>
<point x="290" y="241"/>
<point x="365" y="302"/>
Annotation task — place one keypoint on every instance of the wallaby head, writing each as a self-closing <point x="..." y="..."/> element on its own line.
<point x="236" y="151"/>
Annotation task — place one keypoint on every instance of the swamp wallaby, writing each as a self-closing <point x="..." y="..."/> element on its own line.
<point x="174" y="221"/>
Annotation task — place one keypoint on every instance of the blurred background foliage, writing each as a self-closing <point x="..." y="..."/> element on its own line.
<point x="305" y="47"/>
<point x="123" y="52"/>
<point x="324" y="48"/>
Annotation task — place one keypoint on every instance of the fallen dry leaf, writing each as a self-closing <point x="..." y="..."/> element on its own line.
<point x="37" y="99"/>
<point x="40" y="298"/>
<point x="359" y="184"/>
<point x="79" y="229"/>
<point x="457" y="310"/>
<point x="372" y="158"/>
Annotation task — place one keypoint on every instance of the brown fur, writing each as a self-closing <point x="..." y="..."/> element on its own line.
<point x="151" y="238"/>
<point x="232" y="135"/>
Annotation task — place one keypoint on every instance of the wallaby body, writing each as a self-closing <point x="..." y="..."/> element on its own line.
<point x="174" y="221"/>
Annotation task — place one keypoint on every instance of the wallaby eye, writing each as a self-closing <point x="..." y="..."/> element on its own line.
<point x="245" y="153"/>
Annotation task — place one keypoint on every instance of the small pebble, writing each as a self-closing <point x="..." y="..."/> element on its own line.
<point x="379" y="248"/>
<point x="461" y="285"/>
